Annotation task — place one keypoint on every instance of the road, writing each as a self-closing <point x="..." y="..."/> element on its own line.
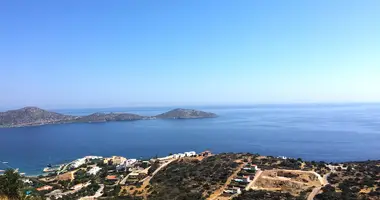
<point x="314" y="193"/>
<point x="252" y="183"/>
<point x="218" y="192"/>
<point x="98" y="194"/>
<point x="59" y="193"/>
<point x="318" y="189"/>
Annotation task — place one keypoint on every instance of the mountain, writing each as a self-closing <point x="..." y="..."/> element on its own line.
<point x="33" y="116"/>
<point x="30" y="116"/>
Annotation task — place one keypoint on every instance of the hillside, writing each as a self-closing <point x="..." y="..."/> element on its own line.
<point x="33" y="116"/>
<point x="225" y="176"/>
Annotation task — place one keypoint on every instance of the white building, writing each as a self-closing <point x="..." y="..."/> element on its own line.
<point x="234" y="190"/>
<point x="94" y="170"/>
<point x="130" y="162"/>
<point x="27" y="181"/>
<point x="78" y="163"/>
<point x="93" y="157"/>
<point x="126" y="163"/>
<point x="190" y="153"/>
<point x="179" y="155"/>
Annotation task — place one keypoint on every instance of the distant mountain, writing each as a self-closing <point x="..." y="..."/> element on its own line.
<point x="180" y="113"/>
<point x="33" y="116"/>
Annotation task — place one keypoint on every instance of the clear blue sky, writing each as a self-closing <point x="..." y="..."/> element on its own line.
<point x="95" y="53"/>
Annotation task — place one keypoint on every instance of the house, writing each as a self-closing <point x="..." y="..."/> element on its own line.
<point x="251" y="168"/>
<point x="137" y="175"/>
<point x="116" y="160"/>
<point x="44" y="188"/>
<point x="243" y="179"/>
<point x="93" y="157"/>
<point x="190" y="153"/>
<point x="125" y="164"/>
<point x="234" y="190"/>
<point x="179" y="155"/>
<point x="205" y="153"/>
<point x="27" y="181"/>
<point x="94" y="170"/>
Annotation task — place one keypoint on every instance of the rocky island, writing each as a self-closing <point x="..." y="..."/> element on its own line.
<point x="185" y="114"/>
<point x="33" y="116"/>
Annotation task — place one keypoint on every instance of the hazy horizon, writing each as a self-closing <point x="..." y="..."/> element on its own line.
<point x="169" y="53"/>
<point x="199" y="106"/>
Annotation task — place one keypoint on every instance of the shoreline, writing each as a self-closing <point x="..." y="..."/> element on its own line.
<point x="149" y="158"/>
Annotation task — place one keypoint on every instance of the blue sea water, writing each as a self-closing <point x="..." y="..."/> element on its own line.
<point x="313" y="132"/>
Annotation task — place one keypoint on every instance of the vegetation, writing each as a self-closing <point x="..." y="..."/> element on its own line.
<point x="357" y="180"/>
<point x="193" y="179"/>
<point x="10" y="184"/>
<point x="266" y="195"/>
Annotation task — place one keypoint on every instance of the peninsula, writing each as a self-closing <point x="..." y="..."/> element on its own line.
<point x="33" y="116"/>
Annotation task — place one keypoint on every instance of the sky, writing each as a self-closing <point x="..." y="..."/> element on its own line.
<point x="95" y="53"/>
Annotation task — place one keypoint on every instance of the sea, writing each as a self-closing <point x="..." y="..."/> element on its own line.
<point x="321" y="132"/>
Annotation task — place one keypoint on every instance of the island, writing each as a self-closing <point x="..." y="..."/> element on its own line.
<point x="34" y="116"/>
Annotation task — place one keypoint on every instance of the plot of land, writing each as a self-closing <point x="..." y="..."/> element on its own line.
<point x="292" y="181"/>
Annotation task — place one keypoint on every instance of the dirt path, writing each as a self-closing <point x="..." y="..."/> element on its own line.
<point x="318" y="189"/>
<point x="314" y="193"/>
<point x="252" y="183"/>
<point x="218" y="192"/>
<point x="146" y="182"/>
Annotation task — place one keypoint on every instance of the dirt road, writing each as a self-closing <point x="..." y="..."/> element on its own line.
<point x="252" y="183"/>
<point x="218" y="192"/>
<point x="314" y="193"/>
<point x="318" y="189"/>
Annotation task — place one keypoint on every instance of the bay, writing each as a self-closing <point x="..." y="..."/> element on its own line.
<point x="329" y="132"/>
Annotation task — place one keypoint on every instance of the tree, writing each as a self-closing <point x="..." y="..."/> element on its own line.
<point x="10" y="184"/>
